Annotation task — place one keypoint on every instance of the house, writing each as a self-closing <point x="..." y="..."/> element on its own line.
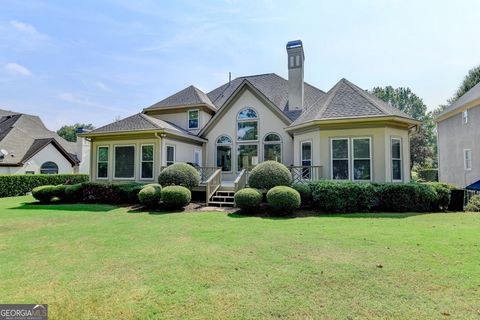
<point x="343" y="134"/>
<point x="458" y="129"/>
<point x="28" y="147"/>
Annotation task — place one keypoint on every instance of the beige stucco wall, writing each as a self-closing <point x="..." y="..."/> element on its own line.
<point x="453" y="138"/>
<point x="184" y="152"/>
<point x="180" y="118"/>
<point x="269" y="122"/>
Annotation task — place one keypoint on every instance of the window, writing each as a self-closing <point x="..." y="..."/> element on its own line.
<point x="247" y="155"/>
<point x="272" y="147"/>
<point x="193" y="119"/>
<point x="49" y="167"/>
<point x="465" y="116"/>
<point x="146" y="160"/>
<point x="170" y="155"/>
<point x="467" y="156"/>
<point x="306" y="158"/>
<point x="124" y="162"/>
<point x="102" y="162"/>
<point x="247" y="125"/>
<point x="224" y="153"/>
<point x="197" y="157"/>
<point x="29" y="172"/>
<point x="340" y="159"/>
<point x="361" y="159"/>
<point x="297" y="60"/>
<point x="396" y="159"/>
<point x="292" y="59"/>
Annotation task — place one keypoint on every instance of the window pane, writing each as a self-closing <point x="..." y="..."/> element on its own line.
<point x="170" y="154"/>
<point x="247" y="131"/>
<point x="102" y="171"/>
<point x="147" y="170"/>
<point x="224" y="157"/>
<point x="103" y="154"/>
<point x="193" y="114"/>
<point x="395" y="148"/>
<point x="396" y="170"/>
<point x="125" y="162"/>
<point x="340" y="149"/>
<point x="247" y="114"/>
<point x="361" y="148"/>
<point x="272" y="137"/>
<point x="273" y="152"/>
<point x="306" y="151"/>
<point x="247" y="156"/>
<point x="340" y="169"/>
<point x="224" y="140"/>
<point x="193" y="124"/>
<point x="361" y="169"/>
<point x="147" y="153"/>
<point x="49" y="168"/>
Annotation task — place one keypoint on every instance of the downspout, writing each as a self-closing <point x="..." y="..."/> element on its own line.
<point x="160" y="140"/>
<point x="92" y="163"/>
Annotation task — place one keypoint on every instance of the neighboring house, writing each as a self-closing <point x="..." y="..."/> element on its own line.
<point x="458" y="128"/>
<point x="27" y="146"/>
<point x="344" y="134"/>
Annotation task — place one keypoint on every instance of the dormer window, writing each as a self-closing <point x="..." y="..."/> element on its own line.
<point x="193" y="119"/>
<point x="465" y="116"/>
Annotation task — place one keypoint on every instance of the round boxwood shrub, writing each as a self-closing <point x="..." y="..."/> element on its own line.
<point x="269" y="174"/>
<point x="175" y="197"/>
<point x="44" y="194"/>
<point x="248" y="199"/>
<point x="150" y="195"/>
<point x="179" y="174"/>
<point x="74" y="193"/>
<point x="473" y="204"/>
<point x="283" y="199"/>
<point x="305" y="192"/>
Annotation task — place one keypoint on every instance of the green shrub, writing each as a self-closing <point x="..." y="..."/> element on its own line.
<point x="175" y="197"/>
<point x="74" y="193"/>
<point x="443" y="191"/>
<point x="283" y="199"/>
<point x="429" y="175"/>
<point x="20" y="184"/>
<point x="150" y="195"/>
<point x="44" y="194"/>
<point x="336" y="196"/>
<point x="269" y="174"/>
<point x="128" y="192"/>
<point x="305" y="192"/>
<point x="60" y="191"/>
<point x="179" y="174"/>
<point x="411" y="197"/>
<point x="473" y="204"/>
<point x="248" y="199"/>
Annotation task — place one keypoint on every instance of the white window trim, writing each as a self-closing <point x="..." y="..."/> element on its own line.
<point x="401" y="158"/>
<point x="233" y="162"/>
<point x="353" y="159"/>
<point x="348" y="159"/>
<point x="142" y="161"/>
<point x="465" y="159"/>
<point x="272" y="143"/>
<point x="465" y="116"/>
<point x="257" y="120"/>
<point x="188" y="119"/>
<point x="174" y="153"/>
<point x="134" y="160"/>
<point x="199" y="151"/>
<point x="311" y="151"/>
<point x="250" y="143"/>
<point x="108" y="163"/>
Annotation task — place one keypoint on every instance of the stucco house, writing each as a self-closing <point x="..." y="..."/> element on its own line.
<point x="458" y="129"/>
<point x="345" y="133"/>
<point x="28" y="147"/>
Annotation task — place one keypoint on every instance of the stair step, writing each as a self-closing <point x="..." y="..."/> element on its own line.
<point x="225" y="204"/>
<point x="220" y="198"/>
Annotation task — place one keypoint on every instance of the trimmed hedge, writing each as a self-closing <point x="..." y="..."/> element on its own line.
<point x="305" y="192"/>
<point x="248" y="199"/>
<point x="74" y="193"/>
<point x="150" y="195"/>
<point x="412" y="197"/>
<point x="175" y="197"/>
<point x="44" y="194"/>
<point x="428" y="175"/>
<point x="110" y="193"/>
<point x="283" y="199"/>
<point x="473" y="204"/>
<point x="20" y="184"/>
<point x="443" y="191"/>
<point x="269" y="174"/>
<point x="179" y="174"/>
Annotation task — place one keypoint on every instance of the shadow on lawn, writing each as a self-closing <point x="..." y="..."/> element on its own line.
<point x="307" y="213"/>
<point x="66" y="207"/>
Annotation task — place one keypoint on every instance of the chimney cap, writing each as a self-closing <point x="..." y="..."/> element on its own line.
<point x="294" y="44"/>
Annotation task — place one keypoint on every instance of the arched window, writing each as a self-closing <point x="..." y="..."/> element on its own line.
<point x="247" y="125"/>
<point x="224" y="153"/>
<point x="272" y="147"/>
<point x="49" y="167"/>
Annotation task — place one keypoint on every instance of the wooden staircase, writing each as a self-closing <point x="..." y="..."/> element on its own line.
<point x="223" y="197"/>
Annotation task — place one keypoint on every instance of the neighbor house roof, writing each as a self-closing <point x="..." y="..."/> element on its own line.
<point x="347" y="101"/>
<point x="470" y="96"/>
<point x="190" y="96"/>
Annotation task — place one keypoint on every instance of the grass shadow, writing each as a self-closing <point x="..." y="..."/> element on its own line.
<point x="158" y="211"/>
<point x="66" y="207"/>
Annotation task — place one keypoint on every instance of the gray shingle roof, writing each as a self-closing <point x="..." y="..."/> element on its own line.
<point x="346" y="100"/>
<point x="471" y="95"/>
<point x="187" y="97"/>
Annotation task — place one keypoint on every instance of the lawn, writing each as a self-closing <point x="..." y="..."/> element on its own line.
<point x="103" y="262"/>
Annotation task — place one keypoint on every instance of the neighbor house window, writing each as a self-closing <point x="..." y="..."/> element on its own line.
<point x="193" y="119"/>
<point x="224" y="153"/>
<point x="170" y="155"/>
<point x="396" y="159"/>
<point x="340" y="159"/>
<point x="124" y="162"/>
<point x="465" y="116"/>
<point x="247" y="125"/>
<point x="362" y="162"/>
<point x="272" y="147"/>
<point x="146" y="161"/>
<point x="306" y="158"/>
<point x="102" y="162"/>
<point x="247" y="156"/>
<point x="467" y="154"/>
<point x="49" y="167"/>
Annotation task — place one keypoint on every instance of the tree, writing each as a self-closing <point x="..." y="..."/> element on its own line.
<point x="403" y="99"/>
<point x="470" y="81"/>
<point x="69" y="132"/>
<point x="420" y="151"/>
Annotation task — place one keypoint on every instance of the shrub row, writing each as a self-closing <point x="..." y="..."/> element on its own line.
<point x="280" y="199"/>
<point x="20" y="184"/>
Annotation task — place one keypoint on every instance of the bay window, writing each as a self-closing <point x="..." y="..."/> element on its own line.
<point x="306" y="158"/>
<point x="124" y="162"/>
<point x="146" y="160"/>
<point x="102" y="162"/>
<point x="170" y="155"/>
<point x="396" y="159"/>
<point x="361" y="159"/>
<point x="340" y="159"/>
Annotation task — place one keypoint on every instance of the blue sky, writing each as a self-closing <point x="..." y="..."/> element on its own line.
<point x="94" y="61"/>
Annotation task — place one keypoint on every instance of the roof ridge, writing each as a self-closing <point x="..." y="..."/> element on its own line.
<point x="146" y="117"/>
<point x="330" y="95"/>
<point x="365" y="95"/>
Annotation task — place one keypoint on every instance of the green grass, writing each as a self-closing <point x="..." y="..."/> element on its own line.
<point x="102" y="262"/>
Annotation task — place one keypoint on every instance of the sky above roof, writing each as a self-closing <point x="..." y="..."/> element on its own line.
<point x="91" y="61"/>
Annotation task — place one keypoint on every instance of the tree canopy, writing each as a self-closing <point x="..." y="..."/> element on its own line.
<point x="403" y="99"/>
<point x="69" y="132"/>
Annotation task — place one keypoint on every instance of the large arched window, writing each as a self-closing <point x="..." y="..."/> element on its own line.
<point x="49" y="167"/>
<point x="247" y="125"/>
<point x="272" y="147"/>
<point x="224" y="153"/>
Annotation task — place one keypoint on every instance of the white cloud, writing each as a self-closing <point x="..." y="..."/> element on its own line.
<point x="83" y="101"/>
<point x="102" y="86"/>
<point x="26" y="28"/>
<point x="17" y="69"/>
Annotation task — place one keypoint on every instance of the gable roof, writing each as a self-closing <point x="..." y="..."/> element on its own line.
<point x="470" y="96"/>
<point x="190" y="96"/>
<point x="347" y="101"/>
<point x="39" y="144"/>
